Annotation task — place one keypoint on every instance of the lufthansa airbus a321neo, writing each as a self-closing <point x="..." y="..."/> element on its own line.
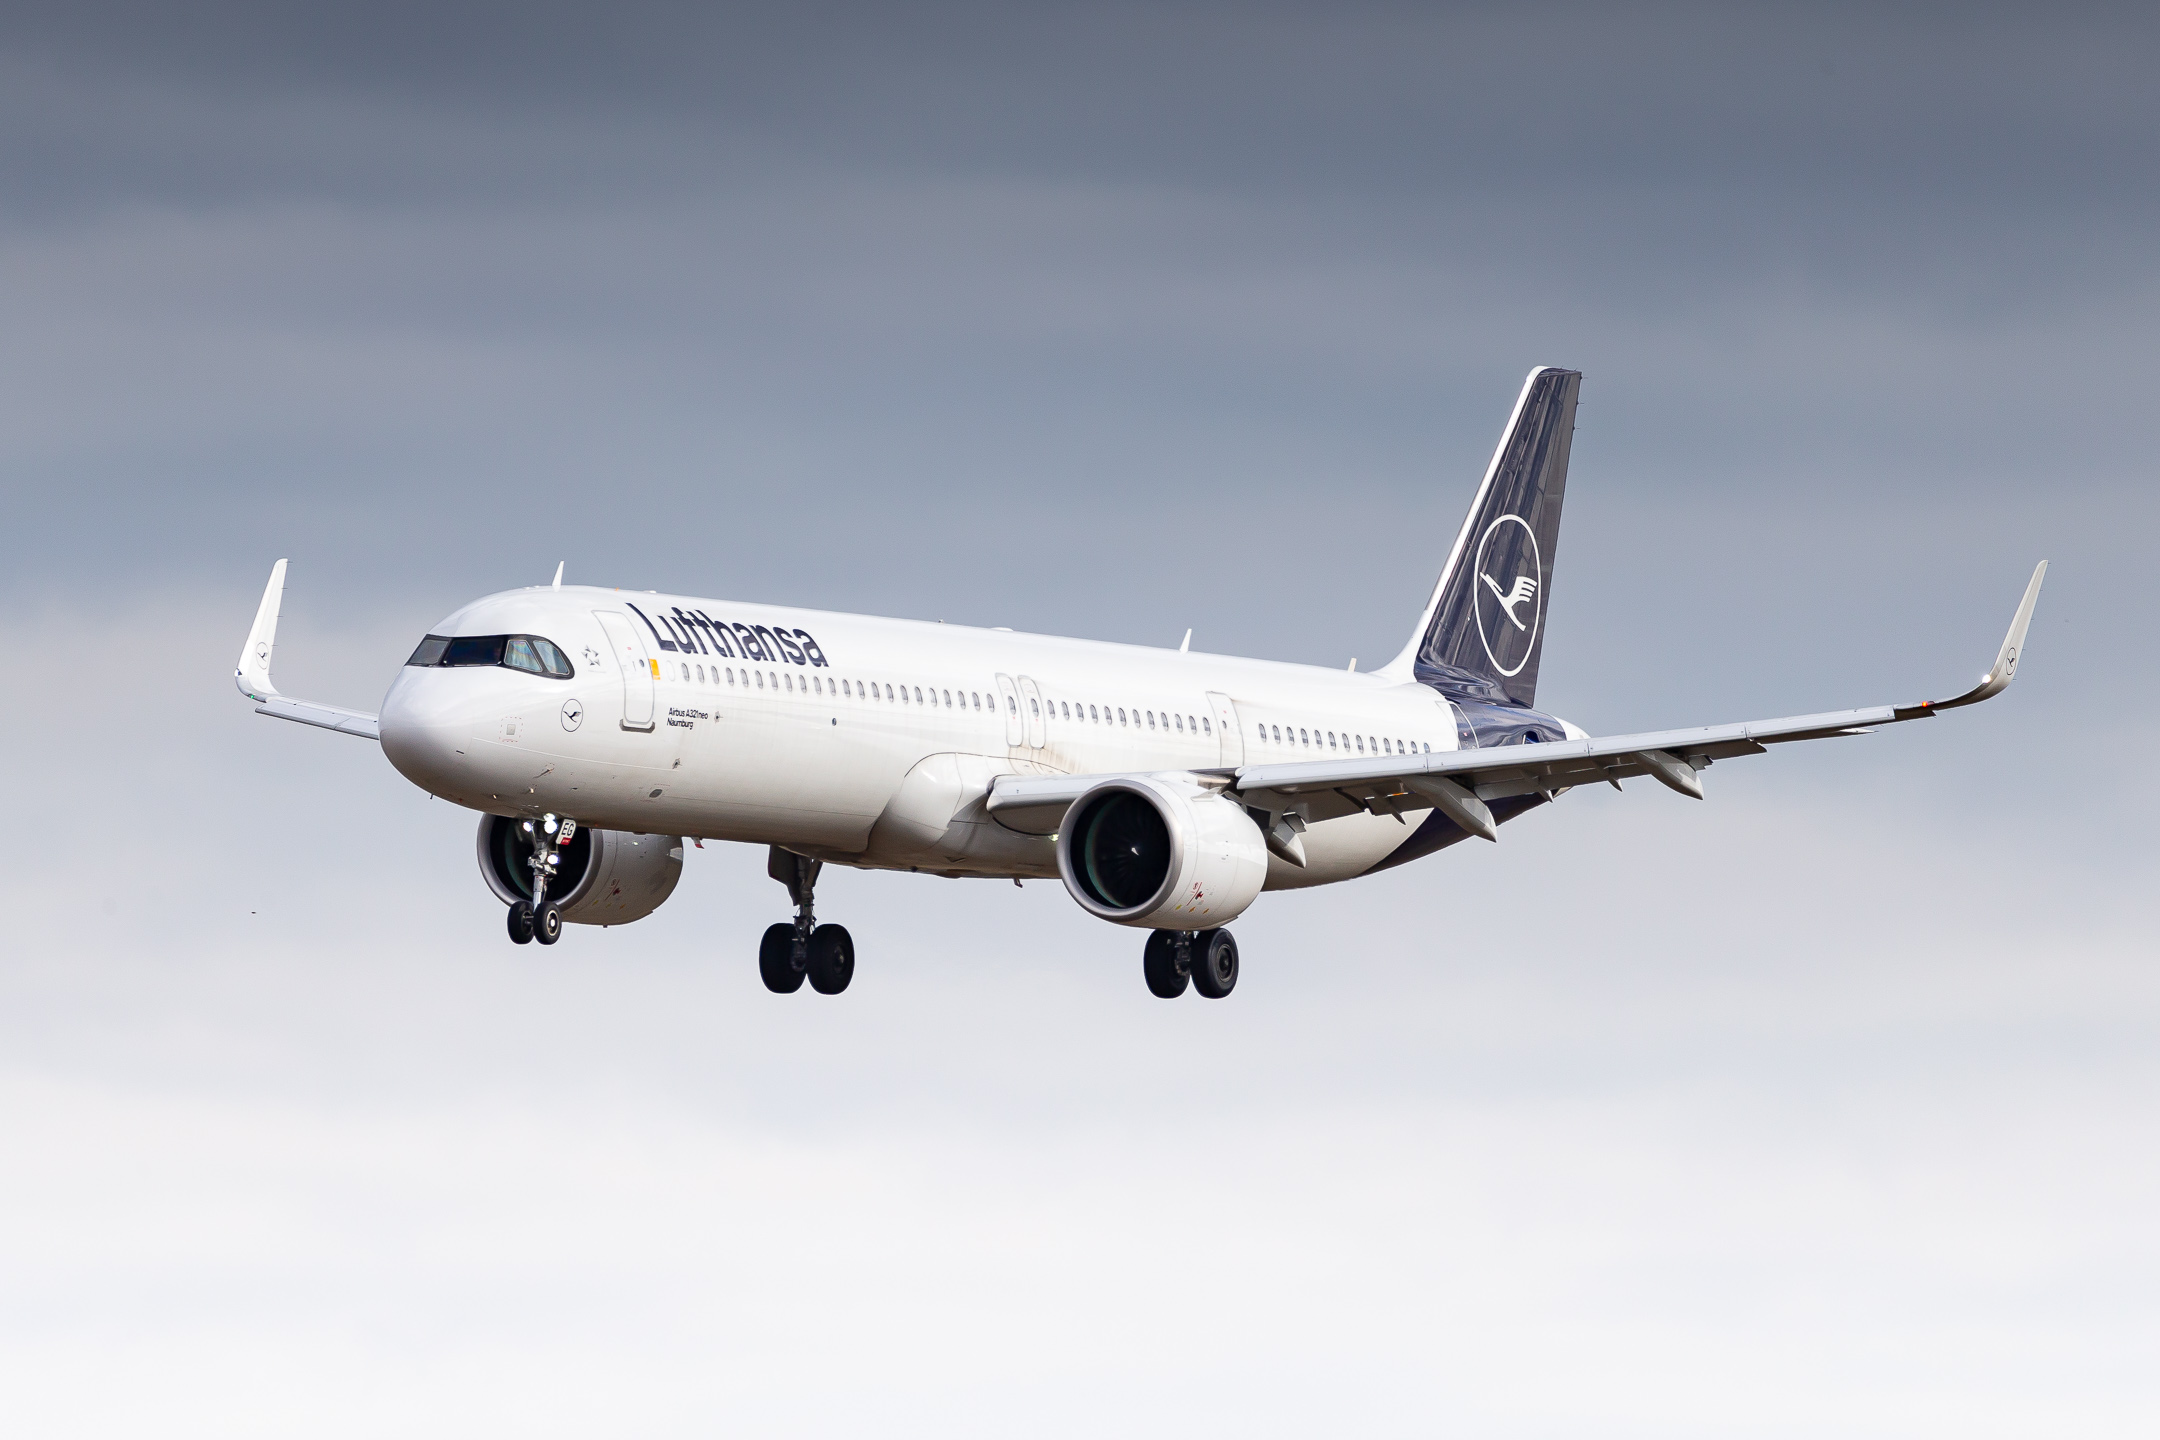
<point x="593" y="729"/>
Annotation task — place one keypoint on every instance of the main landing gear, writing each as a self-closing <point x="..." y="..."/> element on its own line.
<point x="790" y="954"/>
<point x="541" y="918"/>
<point x="1205" y="958"/>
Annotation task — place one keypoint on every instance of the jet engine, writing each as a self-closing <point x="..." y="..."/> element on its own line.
<point x="1160" y="854"/>
<point x="606" y="877"/>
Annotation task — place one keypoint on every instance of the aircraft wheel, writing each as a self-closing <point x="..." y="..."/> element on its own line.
<point x="832" y="959"/>
<point x="547" y="923"/>
<point x="521" y="923"/>
<point x="1161" y="967"/>
<point x="1214" y="963"/>
<point x="776" y="960"/>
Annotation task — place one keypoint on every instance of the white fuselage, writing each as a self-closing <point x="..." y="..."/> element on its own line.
<point x="864" y="740"/>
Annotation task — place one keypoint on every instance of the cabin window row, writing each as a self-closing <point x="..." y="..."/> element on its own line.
<point x="969" y="699"/>
<point x="1345" y="741"/>
<point x="1118" y="715"/>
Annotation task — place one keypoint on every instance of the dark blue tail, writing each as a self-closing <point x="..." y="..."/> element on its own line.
<point x="1483" y="630"/>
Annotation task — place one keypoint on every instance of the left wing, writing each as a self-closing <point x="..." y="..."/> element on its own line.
<point x="1459" y="783"/>
<point x="252" y="674"/>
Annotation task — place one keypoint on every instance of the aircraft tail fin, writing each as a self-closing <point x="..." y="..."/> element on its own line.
<point x="1483" y="629"/>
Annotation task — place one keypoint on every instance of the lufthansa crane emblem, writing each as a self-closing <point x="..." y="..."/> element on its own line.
<point x="1508" y="593"/>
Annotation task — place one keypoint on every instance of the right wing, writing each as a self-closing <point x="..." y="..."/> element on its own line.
<point x="252" y="674"/>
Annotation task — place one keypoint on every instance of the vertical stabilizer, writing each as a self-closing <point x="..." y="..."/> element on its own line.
<point x="1483" y="629"/>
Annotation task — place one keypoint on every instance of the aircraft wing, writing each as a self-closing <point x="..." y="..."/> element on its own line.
<point x="252" y="674"/>
<point x="1459" y="783"/>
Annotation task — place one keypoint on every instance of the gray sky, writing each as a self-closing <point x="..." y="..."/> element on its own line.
<point x="1824" y="1107"/>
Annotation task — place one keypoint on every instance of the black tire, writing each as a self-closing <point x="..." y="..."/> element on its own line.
<point x="547" y="924"/>
<point x="832" y="959"/>
<point x="1214" y="963"/>
<point x="521" y="923"/>
<point x="1160" y="966"/>
<point x="776" y="960"/>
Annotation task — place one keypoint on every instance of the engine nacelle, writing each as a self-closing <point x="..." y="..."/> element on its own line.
<point x="607" y="877"/>
<point x="1161" y="855"/>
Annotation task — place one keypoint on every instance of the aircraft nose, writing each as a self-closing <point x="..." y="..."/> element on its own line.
<point x="421" y="730"/>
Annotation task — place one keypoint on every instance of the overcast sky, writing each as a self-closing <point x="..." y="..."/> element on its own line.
<point x="1825" y="1107"/>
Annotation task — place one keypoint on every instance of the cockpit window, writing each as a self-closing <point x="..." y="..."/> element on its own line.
<point x="475" y="650"/>
<point x="538" y="656"/>
<point x="529" y="653"/>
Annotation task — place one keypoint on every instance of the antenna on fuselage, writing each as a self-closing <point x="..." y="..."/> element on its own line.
<point x="558" y="573"/>
<point x="1185" y="643"/>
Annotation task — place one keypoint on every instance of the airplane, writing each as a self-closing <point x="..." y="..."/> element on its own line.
<point x="594" y="728"/>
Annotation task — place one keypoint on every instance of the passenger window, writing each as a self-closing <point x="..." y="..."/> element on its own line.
<point x="1180" y="721"/>
<point x="888" y="692"/>
<point x="761" y="682"/>
<point x="1205" y="727"/>
<point x="918" y="694"/>
<point x="976" y="698"/>
<point x="1012" y="706"/>
<point x="1033" y="708"/>
<point x="1121" y="715"/>
<point x="948" y="699"/>
<point x="1361" y="744"/>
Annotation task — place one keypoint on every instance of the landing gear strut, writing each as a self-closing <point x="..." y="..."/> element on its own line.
<point x="1206" y="959"/>
<point x="541" y="918"/>
<point x="789" y="954"/>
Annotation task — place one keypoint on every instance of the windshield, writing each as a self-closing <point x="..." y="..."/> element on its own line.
<point x="529" y="653"/>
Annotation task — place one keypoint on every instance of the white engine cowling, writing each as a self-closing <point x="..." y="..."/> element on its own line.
<point x="1161" y="855"/>
<point x="607" y="877"/>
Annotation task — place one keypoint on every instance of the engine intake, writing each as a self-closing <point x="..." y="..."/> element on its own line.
<point x="607" y="877"/>
<point x="1160" y="854"/>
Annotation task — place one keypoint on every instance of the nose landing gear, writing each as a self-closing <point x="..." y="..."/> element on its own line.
<point x="789" y="954"/>
<point x="541" y="918"/>
<point x="1206" y="959"/>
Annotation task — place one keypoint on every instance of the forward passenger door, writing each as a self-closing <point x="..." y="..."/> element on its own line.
<point x="628" y="648"/>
